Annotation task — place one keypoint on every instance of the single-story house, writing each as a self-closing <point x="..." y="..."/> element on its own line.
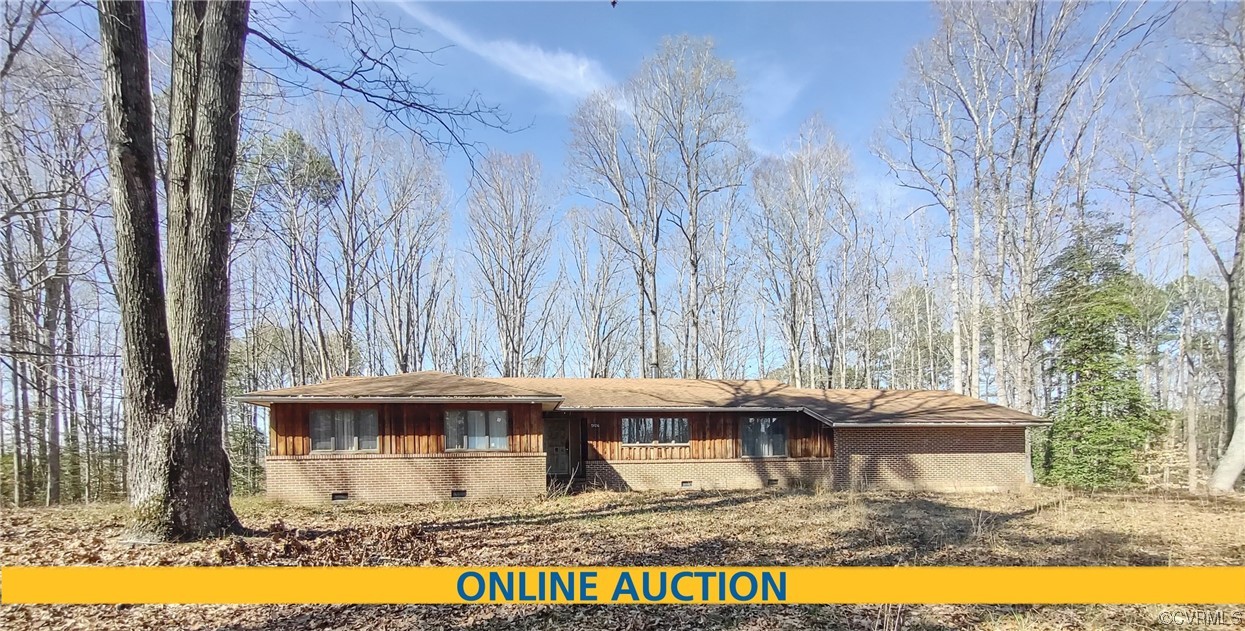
<point x="429" y="436"/>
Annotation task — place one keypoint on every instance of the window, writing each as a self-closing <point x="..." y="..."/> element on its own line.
<point x="343" y="430"/>
<point x="637" y="431"/>
<point x="673" y="430"/>
<point x="476" y="429"/>
<point x="660" y="431"/>
<point x="763" y="436"/>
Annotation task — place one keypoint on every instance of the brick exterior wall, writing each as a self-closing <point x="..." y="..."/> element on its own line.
<point x="405" y="478"/>
<point x="750" y="473"/>
<point x="931" y="458"/>
<point x="924" y="459"/>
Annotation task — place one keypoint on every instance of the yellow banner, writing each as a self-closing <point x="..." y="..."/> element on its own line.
<point x="622" y="585"/>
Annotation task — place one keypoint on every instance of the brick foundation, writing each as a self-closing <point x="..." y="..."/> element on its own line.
<point x="931" y="459"/>
<point x="923" y="459"/>
<point x="405" y="478"/>
<point x="751" y="473"/>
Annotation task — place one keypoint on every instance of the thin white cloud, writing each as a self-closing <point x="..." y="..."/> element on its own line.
<point x="560" y="74"/>
<point x="771" y="90"/>
<point x="770" y="93"/>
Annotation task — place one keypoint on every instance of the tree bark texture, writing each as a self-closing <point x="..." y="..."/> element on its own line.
<point x="175" y="352"/>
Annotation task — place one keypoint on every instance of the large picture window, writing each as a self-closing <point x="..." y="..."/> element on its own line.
<point x="476" y="429"/>
<point x="655" y="431"/>
<point x="344" y="430"/>
<point x="763" y="436"/>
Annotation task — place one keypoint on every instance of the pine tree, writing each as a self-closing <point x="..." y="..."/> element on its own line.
<point x="1104" y="419"/>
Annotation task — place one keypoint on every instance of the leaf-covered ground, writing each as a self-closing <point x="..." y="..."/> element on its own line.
<point x="724" y="528"/>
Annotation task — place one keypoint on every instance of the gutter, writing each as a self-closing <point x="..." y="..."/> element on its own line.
<point x="268" y="400"/>
<point x="697" y="408"/>
<point x="848" y="424"/>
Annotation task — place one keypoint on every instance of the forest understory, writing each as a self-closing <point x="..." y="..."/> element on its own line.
<point x="1039" y="527"/>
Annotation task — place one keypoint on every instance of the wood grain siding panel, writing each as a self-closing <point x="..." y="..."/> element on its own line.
<point x="809" y="439"/>
<point x="414" y="430"/>
<point x="420" y="429"/>
<point x="403" y="428"/>
<point x="272" y="434"/>
<point x="297" y="433"/>
<point x="713" y="436"/>
<point x="525" y="428"/>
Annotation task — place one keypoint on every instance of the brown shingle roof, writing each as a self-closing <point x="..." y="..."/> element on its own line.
<point x="651" y="393"/>
<point x="423" y="385"/>
<point x="836" y="406"/>
<point x="841" y="407"/>
<point x="846" y="407"/>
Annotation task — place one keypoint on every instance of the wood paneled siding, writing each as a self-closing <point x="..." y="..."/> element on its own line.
<point x="404" y="428"/>
<point x="714" y="435"/>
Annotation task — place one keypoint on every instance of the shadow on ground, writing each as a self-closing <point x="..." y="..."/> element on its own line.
<point x="885" y="530"/>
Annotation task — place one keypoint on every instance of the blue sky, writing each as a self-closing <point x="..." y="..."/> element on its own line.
<point x="535" y="60"/>
<point x="795" y="59"/>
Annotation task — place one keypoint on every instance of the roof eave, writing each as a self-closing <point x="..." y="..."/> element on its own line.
<point x="678" y="408"/>
<point x="266" y="400"/>
<point x="698" y="408"/>
<point x="847" y="424"/>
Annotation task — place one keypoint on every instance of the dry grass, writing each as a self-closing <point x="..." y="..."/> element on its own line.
<point x="727" y="528"/>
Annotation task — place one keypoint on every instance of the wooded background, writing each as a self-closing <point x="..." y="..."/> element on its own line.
<point x="1076" y="216"/>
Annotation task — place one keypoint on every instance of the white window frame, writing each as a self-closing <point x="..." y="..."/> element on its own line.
<point x="489" y="419"/>
<point x="353" y="440"/>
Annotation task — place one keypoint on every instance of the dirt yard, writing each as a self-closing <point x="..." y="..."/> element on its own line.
<point x="725" y="528"/>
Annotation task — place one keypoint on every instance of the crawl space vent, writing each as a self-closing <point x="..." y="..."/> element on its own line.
<point x="771" y="482"/>
<point x="457" y="493"/>
<point x="341" y="497"/>
<point x="687" y="484"/>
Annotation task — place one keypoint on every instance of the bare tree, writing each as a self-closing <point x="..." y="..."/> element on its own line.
<point x="925" y="129"/>
<point x="802" y="200"/>
<point x="1200" y="146"/>
<point x="346" y="250"/>
<point x="598" y="299"/>
<point x="179" y="477"/>
<point x="406" y="276"/>
<point x="49" y="153"/>
<point x="294" y="184"/>
<point x="617" y="159"/>
<point x="692" y="96"/>
<point x="510" y="231"/>
<point x="1001" y="107"/>
<point x="726" y="276"/>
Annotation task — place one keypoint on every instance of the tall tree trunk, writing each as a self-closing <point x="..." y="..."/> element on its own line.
<point x="1232" y="463"/>
<point x="175" y="364"/>
<point x="150" y="391"/>
<point x="53" y="420"/>
<point x="1187" y="370"/>
<point x="15" y="366"/>
<point x="694" y="301"/>
<point x="72" y="442"/>
<point x="23" y="410"/>
<point x="655" y="335"/>
<point x="974" y="331"/>
<point x="15" y="299"/>
<point x="53" y="310"/>
<point x="1002" y="387"/>
<point x="40" y="413"/>
<point x="3" y="454"/>
<point x="957" y="341"/>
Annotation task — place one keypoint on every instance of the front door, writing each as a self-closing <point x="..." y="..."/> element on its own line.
<point x="557" y="447"/>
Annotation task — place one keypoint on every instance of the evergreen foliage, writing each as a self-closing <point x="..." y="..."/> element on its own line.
<point x="1103" y="420"/>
